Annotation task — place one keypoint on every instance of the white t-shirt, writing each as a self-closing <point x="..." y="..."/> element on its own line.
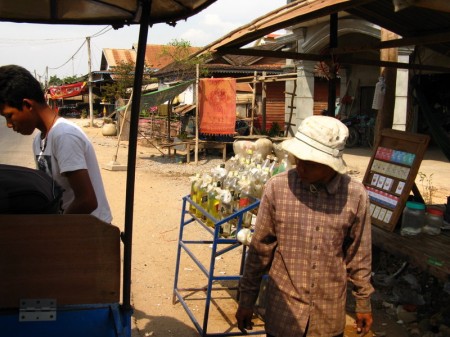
<point x="69" y="149"/>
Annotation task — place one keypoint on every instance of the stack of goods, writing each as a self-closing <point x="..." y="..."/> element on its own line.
<point x="232" y="187"/>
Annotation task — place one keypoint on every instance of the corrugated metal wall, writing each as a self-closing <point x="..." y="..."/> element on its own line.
<point x="321" y="94"/>
<point x="275" y="106"/>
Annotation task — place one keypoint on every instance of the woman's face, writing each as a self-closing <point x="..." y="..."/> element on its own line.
<point x="312" y="172"/>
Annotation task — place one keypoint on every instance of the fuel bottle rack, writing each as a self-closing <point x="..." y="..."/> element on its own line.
<point x="219" y="246"/>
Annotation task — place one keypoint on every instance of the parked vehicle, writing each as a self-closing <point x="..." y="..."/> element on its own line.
<point x="361" y="129"/>
<point x="70" y="111"/>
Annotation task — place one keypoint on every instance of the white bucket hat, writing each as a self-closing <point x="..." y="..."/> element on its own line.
<point x="320" y="139"/>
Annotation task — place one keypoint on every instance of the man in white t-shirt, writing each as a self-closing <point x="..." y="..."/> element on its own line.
<point x="61" y="148"/>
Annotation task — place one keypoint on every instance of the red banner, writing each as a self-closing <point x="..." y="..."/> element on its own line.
<point x="217" y="106"/>
<point x="68" y="90"/>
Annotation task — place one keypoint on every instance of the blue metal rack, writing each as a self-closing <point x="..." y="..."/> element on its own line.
<point x="230" y="243"/>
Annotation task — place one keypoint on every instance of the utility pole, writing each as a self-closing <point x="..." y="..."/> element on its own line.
<point x="46" y="78"/>
<point x="91" y="108"/>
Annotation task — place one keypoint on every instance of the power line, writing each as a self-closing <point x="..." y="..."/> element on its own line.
<point x="104" y="30"/>
<point x="71" y="58"/>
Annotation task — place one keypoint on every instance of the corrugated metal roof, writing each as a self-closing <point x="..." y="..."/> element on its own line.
<point x="241" y="60"/>
<point x="155" y="56"/>
<point x="115" y="57"/>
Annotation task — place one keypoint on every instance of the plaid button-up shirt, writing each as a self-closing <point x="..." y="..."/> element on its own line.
<point x="310" y="240"/>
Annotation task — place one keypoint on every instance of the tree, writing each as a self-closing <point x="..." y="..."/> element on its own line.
<point x="123" y="75"/>
<point x="71" y="79"/>
<point x="55" y="81"/>
<point x="184" y="64"/>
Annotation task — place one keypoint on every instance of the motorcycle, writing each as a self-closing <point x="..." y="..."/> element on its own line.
<point x="361" y="130"/>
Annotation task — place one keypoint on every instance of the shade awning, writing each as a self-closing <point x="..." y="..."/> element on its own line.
<point x="158" y="97"/>
<point x="109" y="12"/>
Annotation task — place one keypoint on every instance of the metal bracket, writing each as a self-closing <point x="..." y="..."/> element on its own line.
<point x="37" y="310"/>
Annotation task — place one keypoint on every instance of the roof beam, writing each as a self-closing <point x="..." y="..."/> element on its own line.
<point x="343" y="59"/>
<point x="402" y="42"/>
<point x="286" y="16"/>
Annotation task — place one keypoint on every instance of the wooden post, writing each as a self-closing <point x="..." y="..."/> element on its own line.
<point x="264" y="101"/>
<point x="385" y="115"/>
<point x="253" y="102"/>
<point x="333" y="66"/>
<point x="196" y="113"/>
<point x="169" y="116"/>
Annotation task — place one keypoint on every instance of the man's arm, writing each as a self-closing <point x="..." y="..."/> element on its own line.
<point x="359" y="263"/>
<point x="85" y="200"/>
<point x="259" y="258"/>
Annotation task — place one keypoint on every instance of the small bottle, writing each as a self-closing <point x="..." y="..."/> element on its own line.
<point x="413" y="218"/>
<point x="225" y="210"/>
<point x="284" y="165"/>
<point x="195" y="186"/>
<point x="273" y="167"/>
<point x="434" y="220"/>
<point x="214" y="191"/>
<point x="244" y="201"/>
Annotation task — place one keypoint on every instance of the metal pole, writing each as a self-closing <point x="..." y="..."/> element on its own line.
<point x="132" y="146"/>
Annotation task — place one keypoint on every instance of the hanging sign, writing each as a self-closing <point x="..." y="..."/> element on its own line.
<point x="68" y="90"/>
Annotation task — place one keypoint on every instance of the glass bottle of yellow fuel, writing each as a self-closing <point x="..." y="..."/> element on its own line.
<point x="202" y="195"/>
<point x="244" y="201"/>
<point x="195" y="186"/>
<point x="213" y="203"/>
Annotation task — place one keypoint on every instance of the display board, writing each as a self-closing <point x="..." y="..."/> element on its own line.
<point x="391" y="174"/>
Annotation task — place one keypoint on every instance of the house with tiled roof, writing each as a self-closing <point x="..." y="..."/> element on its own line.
<point x="232" y="65"/>
<point x="243" y="68"/>
<point x="155" y="58"/>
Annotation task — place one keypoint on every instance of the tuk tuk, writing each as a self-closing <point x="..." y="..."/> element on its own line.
<point x="61" y="275"/>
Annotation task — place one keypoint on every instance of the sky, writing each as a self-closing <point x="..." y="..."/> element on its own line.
<point x="63" y="48"/>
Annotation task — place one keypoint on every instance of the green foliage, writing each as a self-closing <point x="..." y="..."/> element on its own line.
<point x="123" y="79"/>
<point x="183" y="63"/>
<point x="71" y="79"/>
<point x="144" y="113"/>
<point x="55" y="81"/>
<point x="275" y="130"/>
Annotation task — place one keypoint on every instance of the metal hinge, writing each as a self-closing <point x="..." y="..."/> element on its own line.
<point x="36" y="310"/>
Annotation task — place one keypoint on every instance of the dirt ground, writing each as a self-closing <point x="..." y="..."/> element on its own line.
<point x="159" y="190"/>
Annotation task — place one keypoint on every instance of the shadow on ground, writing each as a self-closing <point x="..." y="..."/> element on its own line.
<point x="160" y="326"/>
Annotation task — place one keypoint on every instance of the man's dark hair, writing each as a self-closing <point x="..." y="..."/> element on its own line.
<point x="16" y="84"/>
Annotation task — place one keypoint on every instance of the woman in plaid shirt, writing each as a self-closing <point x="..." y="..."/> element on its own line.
<point x="312" y="234"/>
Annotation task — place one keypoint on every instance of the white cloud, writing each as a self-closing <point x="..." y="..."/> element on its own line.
<point x="216" y="22"/>
<point x="196" y="37"/>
